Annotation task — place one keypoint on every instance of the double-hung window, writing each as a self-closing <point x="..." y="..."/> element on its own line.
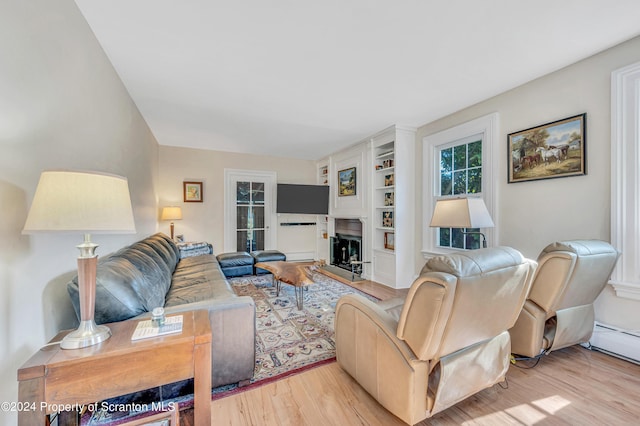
<point x="457" y="162"/>
<point x="460" y="174"/>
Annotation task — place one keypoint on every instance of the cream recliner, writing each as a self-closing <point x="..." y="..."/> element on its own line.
<point x="445" y="341"/>
<point x="559" y="309"/>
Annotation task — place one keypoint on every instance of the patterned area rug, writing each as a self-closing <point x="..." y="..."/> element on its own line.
<point x="288" y="341"/>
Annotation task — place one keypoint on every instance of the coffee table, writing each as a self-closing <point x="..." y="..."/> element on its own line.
<point x="295" y="274"/>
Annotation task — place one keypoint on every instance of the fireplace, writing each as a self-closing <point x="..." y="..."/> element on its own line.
<point x="346" y="246"/>
<point x="344" y="250"/>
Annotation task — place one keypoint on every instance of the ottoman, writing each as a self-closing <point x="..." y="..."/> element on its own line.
<point x="235" y="264"/>
<point x="265" y="256"/>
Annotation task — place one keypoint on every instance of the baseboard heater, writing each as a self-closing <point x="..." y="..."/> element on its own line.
<point x="617" y="342"/>
<point x="297" y="223"/>
<point x="300" y="256"/>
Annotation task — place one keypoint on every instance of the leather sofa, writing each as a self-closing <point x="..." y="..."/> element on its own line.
<point x="150" y="273"/>
<point x="445" y="341"/>
<point x="559" y="310"/>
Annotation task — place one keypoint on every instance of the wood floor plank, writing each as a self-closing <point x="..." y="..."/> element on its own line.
<point x="568" y="387"/>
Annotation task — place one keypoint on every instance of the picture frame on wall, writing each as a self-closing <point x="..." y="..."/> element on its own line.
<point x="192" y="192"/>
<point x="347" y="183"/>
<point x="551" y="150"/>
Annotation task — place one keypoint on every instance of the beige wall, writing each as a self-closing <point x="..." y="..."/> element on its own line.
<point x="534" y="214"/>
<point x="205" y="221"/>
<point x="62" y="107"/>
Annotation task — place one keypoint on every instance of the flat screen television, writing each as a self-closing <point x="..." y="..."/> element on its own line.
<point x="302" y="199"/>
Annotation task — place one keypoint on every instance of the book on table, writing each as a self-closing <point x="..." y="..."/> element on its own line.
<point x="146" y="329"/>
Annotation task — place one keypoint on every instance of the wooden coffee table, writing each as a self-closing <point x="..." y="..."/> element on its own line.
<point x="56" y="379"/>
<point x="295" y="274"/>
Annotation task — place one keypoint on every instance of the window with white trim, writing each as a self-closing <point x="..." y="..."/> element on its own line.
<point x="625" y="179"/>
<point x="460" y="174"/>
<point x="457" y="162"/>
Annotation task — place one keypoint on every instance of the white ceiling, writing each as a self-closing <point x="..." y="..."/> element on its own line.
<point x="302" y="79"/>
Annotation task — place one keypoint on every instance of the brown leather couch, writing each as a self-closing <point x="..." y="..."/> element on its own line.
<point x="445" y="341"/>
<point x="559" y="309"/>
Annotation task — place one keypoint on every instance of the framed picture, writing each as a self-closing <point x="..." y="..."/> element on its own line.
<point x="389" y="199"/>
<point x="389" y="240"/>
<point x="387" y="219"/>
<point x="192" y="192"/>
<point x="552" y="150"/>
<point x="347" y="182"/>
<point x="388" y="180"/>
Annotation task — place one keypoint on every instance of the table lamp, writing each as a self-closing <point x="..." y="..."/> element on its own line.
<point x="462" y="213"/>
<point x="88" y="203"/>
<point x="171" y="213"/>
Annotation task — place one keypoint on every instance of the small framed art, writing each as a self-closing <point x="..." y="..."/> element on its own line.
<point x="347" y="182"/>
<point x="389" y="240"/>
<point x="387" y="219"/>
<point x="192" y="192"/>
<point x="389" y="199"/>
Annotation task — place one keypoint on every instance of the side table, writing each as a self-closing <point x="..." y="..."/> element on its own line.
<point x="57" y="379"/>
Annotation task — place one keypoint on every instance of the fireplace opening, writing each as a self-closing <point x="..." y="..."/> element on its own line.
<point x="345" y="249"/>
<point x="346" y="246"/>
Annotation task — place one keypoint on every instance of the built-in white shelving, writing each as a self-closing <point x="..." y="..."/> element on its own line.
<point x="322" y="228"/>
<point x="392" y="207"/>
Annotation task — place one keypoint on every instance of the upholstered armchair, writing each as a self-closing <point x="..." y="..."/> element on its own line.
<point x="445" y="341"/>
<point x="559" y="309"/>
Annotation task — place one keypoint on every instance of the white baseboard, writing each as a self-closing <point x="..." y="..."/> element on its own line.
<point x="617" y="342"/>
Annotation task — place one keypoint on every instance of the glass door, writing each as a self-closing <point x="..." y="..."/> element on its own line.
<point x="249" y="219"/>
<point x="250" y="223"/>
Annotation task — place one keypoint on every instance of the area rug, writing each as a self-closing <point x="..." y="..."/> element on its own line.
<point x="288" y="340"/>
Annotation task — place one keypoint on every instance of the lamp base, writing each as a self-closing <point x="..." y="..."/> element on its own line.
<point x="87" y="334"/>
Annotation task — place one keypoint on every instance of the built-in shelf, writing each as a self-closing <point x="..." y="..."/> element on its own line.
<point x="322" y="224"/>
<point x="392" y="207"/>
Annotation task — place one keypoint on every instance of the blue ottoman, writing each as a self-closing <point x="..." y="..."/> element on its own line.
<point x="235" y="264"/>
<point x="265" y="256"/>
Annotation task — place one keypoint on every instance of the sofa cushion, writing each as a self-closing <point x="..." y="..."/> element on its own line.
<point x="196" y="279"/>
<point x="131" y="281"/>
<point x="117" y="283"/>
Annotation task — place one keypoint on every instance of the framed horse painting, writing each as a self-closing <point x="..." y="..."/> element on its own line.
<point x="552" y="150"/>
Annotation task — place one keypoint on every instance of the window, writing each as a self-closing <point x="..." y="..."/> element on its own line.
<point x="456" y="162"/>
<point x="460" y="174"/>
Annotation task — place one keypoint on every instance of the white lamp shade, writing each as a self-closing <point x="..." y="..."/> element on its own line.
<point x="86" y="202"/>
<point x="461" y="213"/>
<point x="171" y="213"/>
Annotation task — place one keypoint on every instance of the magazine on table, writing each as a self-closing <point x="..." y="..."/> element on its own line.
<point x="146" y="329"/>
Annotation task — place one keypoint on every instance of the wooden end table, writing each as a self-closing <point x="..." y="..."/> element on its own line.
<point x="62" y="380"/>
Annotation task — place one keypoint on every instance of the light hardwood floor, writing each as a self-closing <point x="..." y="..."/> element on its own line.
<point x="573" y="386"/>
